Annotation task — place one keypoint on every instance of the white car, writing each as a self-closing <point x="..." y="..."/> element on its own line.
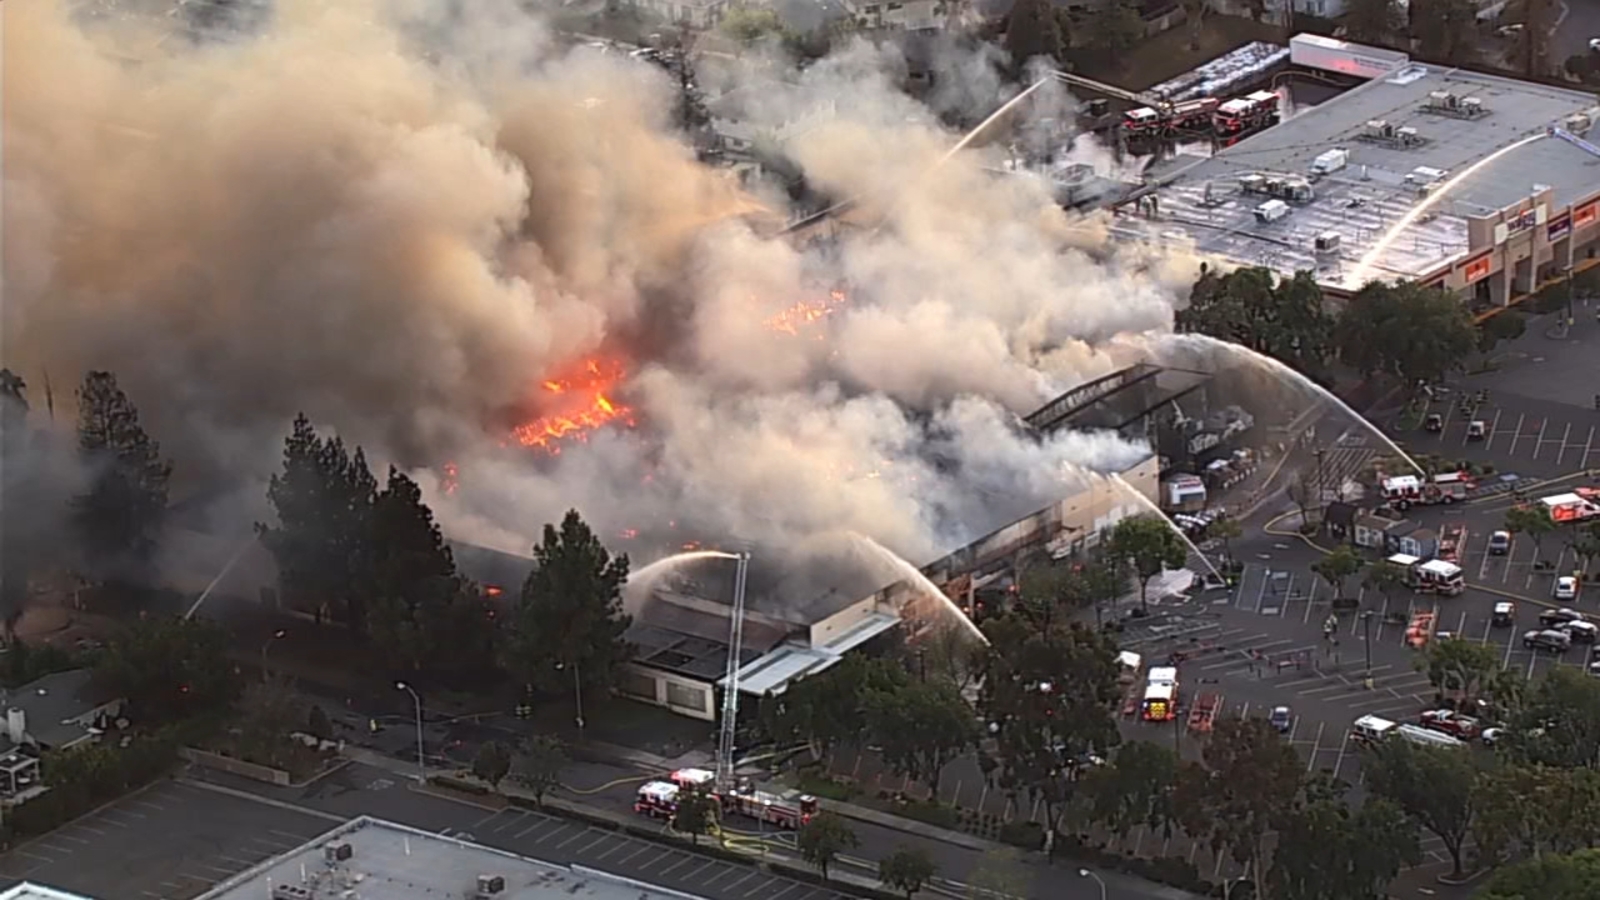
<point x="1491" y="736"/>
<point x="1594" y="44"/>
<point x="1566" y="588"/>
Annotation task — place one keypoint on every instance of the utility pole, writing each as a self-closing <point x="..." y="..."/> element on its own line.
<point x="1321" y="491"/>
<point x="1366" y="640"/>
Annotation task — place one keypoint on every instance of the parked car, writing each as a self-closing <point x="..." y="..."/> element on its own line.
<point x="1566" y="588"/>
<point x="1581" y="632"/>
<point x="1434" y="423"/>
<point x="1505" y="613"/>
<point x="1548" y="639"/>
<point x="1477" y="430"/>
<point x="1500" y="543"/>
<point x="1491" y="736"/>
<point x="1552" y="618"/>
<point x="1281" y="719"/>
<point x="1452" y="723"/>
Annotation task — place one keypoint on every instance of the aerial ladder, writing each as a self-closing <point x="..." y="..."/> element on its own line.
<point x="1111" y="90"/>
<point x="1557" y="131"/>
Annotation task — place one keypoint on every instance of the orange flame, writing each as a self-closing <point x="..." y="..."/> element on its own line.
<point x="451" y="478"/>
<point x="806" y="312"/>
<point x="583" y="406"/>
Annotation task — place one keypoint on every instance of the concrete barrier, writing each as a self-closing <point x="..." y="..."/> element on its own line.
<point x="239" y="767"/>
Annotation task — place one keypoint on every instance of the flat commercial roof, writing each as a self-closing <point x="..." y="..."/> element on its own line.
<point x="395" y="862"/>
<point x="27" y="890"/>
<point x="1203" y="202"/>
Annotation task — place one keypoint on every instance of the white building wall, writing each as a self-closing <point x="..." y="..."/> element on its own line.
<point x="684" y="696"/>
<point x="825" y="631"/>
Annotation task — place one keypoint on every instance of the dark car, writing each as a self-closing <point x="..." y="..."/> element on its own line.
<point x="1555" y="618"/>
<point x="1554" y="641"/>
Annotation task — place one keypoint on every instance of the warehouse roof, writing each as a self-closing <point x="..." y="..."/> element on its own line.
<point x="1203" y="201"/>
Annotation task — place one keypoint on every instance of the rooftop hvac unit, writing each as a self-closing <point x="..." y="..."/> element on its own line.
<point x="1577" y="123"/>
<point x="1407" y="136"/>
<point x="1472" y="106"/>
<point x="290" y="892"/>
<point x="1379" y="128"/>
<point x="490" y="885"/>
<point x="1327" y="242"/>
<point x="1441" y="100"/>
<point x="338" y="852"/>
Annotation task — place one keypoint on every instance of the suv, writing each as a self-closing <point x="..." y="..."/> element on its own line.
<point x="1555" y="618"/>
<point x="1549" y="639"/>
<point x="1566" y="588"/>
<point x="1500" y="543"/>
<point x="1505" y="613"/>
<point x="1452" y="723"/>
<point x="1580" y="631"/>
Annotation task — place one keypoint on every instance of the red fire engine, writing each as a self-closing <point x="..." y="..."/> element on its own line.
<point x="1188" y="115"/>
<point x="691" y="779"/>
<point x="1251" y="112"/>
<point x="775" y="809"/>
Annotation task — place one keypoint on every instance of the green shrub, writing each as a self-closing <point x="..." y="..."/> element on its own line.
<point x="461" y="784"/>
<point x="1026" y="835"/>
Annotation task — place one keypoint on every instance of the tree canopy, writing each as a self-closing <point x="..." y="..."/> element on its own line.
<point x="1533" y="520"/>
<point x="1436" y="786"/>
<point x="907" y="869"/>
<point x="920" y="727"/>
<point x="1328" y="851"/>
<point x="1250" y="777"/>
<point x="1150" y="547"/>
<point x="119" y="519"/>
<point x="1572" y="877"/>
<point x="170" y="668"/>
<point x="568" y="625"/>
<point x="1034" y="30"/>
<point x="823" y="839"/>
<point x="1414" y="333"/>
<point x="1253" y="307"/>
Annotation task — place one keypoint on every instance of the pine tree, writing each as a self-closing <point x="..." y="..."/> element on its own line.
<point x="121" y="516"/>
<point x="569" y="619"/>
<point x="414" y="581"/>
<point x="15" y="548"/>
<point x="322" y="543"/>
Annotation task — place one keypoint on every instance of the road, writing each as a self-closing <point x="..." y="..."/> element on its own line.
<point x="1577" y="22"/>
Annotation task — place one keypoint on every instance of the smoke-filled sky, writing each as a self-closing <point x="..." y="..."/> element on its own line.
<point x="403" y="219"/>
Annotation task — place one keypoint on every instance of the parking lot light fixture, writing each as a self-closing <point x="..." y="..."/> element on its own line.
<point x="416" y="699"/>
<point x="1085" y="873"/>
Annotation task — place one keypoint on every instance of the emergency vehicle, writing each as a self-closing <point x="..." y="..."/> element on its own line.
<point x="1401" y="491"/>
<point x="1571" y="507"/>
<point x="1188" y="115"/>
<point x="1438" y="576"/>
<point x="791" y="812"/>
<point x="1251" y="112"/>
<point x="1452" y="540"/>
<point x="1160" y="695"/>
<point x="657" y="799"/>
<point x="691" y="779"/>
<point x="1448" y="487"/>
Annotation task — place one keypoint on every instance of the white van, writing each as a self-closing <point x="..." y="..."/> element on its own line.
<point x="1371" y="729"/>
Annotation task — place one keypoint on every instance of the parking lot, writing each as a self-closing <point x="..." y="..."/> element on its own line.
<point x="1525" y="435"/>
<point x="168" y="842"/>
<point x="566" y="841"/>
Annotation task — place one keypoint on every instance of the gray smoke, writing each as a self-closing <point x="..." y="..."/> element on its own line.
<point x="403" y="217"/>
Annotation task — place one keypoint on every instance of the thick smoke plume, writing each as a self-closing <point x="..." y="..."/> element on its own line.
<point x="402" y="219"/>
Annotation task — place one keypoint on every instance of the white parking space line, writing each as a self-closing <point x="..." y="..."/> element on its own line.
<point x="1588" y="448"/>
<point x="1517" y="435"/>
<point x="1560" y="454"/>
<point x="1539" y="441"/>
<point x="1494" y="432"/>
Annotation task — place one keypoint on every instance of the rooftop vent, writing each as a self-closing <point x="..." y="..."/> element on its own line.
<point x="1327" y="242"/>
<point x="1379" y="131"/>
<point x="491" y="885"/>
<point x="338" y="852"/>
<point x="290" y="892"/>
<point x="1448" y="104"/>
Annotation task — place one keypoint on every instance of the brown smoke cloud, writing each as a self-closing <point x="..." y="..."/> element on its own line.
<point x="399" y="218"/>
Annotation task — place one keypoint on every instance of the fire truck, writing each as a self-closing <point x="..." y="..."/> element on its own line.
<point x="693" y="779"/>
<point x="1251" y="112"/>
<point x="1186" y="115"/>
<point x="782" y="810"/>
<point x="1160" y="695"/>
<point x="1452" y="538"/>
<point x="1435" y="576"/>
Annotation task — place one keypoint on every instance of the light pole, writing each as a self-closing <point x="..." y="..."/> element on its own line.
<point x="1321" y="490"/>
<point x="577" y="693"/>
<point x="267" y="645"/>
<point x="1085" y="873"/>
<point x="422" y="765"/>
<point x="1366" y="637"/>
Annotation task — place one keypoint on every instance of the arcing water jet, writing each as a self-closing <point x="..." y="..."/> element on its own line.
<point x="1388" y="237"/>
<point x="1278" y="368"/>
<point x="919" y="582"/>
<point x="1147" y="503"/>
